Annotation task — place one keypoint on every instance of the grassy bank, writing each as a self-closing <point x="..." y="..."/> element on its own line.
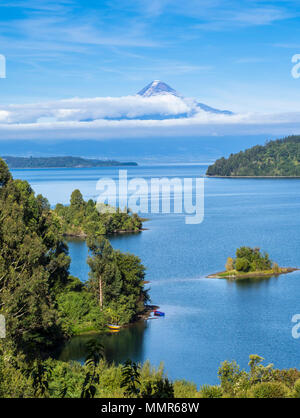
<point x="234" y="274"/>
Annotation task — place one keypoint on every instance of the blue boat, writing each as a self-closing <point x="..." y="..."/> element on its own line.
<point x="158" y="313"/>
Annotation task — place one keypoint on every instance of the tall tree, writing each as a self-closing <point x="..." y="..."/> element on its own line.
<point x="76" y="199"/>
<point x="105" y="277"/>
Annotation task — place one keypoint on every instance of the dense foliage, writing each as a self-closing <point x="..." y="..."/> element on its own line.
<point x="41" y="302"/>
<point x="276" y="158"/>
<point x="83" y="218"/>
<point x="116" y="281"/>
<point x="249" y="260"/>
<point x="79" y="311"/>
<point x="96" y="378"/>
<point x="113" y="294"/>
<point x="33" y="265"/>
<point x="61" y="162"/>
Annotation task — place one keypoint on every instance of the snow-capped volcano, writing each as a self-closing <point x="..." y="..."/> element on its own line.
<point x="157" y="87"/>
<point x="157" y="101"/>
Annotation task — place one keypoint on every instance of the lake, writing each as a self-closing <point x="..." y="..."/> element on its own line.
<point x="207" y="320"/>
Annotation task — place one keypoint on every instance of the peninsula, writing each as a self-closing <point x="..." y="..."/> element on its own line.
<point x="81" y="219"/>
<point x="280" y="158"/>
<point x="62" y="162"/>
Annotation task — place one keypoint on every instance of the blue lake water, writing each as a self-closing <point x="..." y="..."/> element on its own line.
<point x="207" y="320"/>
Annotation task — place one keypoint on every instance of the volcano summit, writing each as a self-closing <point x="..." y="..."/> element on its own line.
<point x="159" y="88"/>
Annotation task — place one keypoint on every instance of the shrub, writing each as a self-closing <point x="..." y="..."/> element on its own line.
<point x="269" y="390"/>
<point x="275" y="268"/>
<point x="229" y="264"/>
<point x="296" y="391"/>
<point x="185" y="389"/>
<point x="78" y="308"/>
<point x="207" y="391"/>
<point x="242" y="264"/>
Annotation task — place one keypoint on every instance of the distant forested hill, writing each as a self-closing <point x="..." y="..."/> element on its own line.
<point x="60" y="162"/>
<point x="280" y="158"/>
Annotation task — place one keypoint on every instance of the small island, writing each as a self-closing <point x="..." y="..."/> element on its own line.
<point x="251" y="262"/>
<point x="280" y="158"/>
<point x="62" y="162"/>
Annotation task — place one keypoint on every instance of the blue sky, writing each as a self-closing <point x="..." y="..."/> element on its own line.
<point x="233" y="54"/>
<point x="228" y="54"/>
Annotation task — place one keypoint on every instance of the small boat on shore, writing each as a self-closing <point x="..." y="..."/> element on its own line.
<point x="158" y="313"/>
<point x="114" y="327"/>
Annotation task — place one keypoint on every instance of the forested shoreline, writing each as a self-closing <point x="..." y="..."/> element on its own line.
<point x="61" y="162"/>
<point x="42" y="303"/>
<point x="280" y="158"/>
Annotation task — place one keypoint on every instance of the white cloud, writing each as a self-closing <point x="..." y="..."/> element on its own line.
<point x="61" y="120"/>
<point x="77" y="109"/>
<point x="217" y="14"/>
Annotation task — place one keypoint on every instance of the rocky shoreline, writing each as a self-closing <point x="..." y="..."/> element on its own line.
<point x="84" y="236"/>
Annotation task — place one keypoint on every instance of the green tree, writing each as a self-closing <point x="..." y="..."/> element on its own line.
<point x="92" y="378"/>
<point x="258" y="372"/>
<point x="229" y="374"/>
<point x="131" y="379"/>
<point x="40" y="373"/>
<point x="160" y="389"/>
<point x="5" y="175"/>
<point x="76" y="200"/>
<point x="242" y="264"/>
<point x="105" y="279"/>
<point x="251" y="259"/>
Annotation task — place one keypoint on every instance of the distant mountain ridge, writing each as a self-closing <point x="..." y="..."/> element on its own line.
<point x="61" y="162"/>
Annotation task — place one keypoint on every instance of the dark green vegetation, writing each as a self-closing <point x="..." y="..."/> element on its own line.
<point x="114" y="293"/>
<point x="98" y="379"/>
<point x="117" y="282"/>
<point x="34" y="265"/>
<point x="82" y="218"/>
<point x="61" y="162"/>
<point x="251" y="259"/>
<point x="280" y="158"/>
<point x="41" y="302"/>
<point x="250" y="262"/>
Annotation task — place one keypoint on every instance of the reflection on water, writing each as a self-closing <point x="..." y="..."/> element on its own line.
<point x="253" y="282"/>
<point x="118" y="347"/>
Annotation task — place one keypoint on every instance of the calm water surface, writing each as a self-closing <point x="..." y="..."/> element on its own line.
<point x="207" y="320"/>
